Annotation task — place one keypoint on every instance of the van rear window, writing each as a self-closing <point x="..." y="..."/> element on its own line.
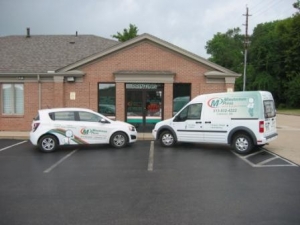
<point x="269" y="109"/>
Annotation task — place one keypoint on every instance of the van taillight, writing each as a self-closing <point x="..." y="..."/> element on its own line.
<point x="261" y="126"/>
<point x="35" y="126"/>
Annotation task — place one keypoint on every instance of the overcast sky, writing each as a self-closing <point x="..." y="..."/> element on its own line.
<point x="188" y="24"/>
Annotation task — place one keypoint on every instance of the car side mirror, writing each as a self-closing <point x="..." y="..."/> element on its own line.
<point x="103" y="120"/>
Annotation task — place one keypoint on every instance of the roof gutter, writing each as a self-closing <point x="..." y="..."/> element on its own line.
<point x="40" y="76"/>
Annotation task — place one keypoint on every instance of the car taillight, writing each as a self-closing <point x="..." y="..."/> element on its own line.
<point x="261" y="126"/>
<point x="35" y="126"/>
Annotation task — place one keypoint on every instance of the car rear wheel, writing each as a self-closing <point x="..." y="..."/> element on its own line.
<point x="48" y="143"/>
<point x="167" y="139"/>
<point x="242" y="144"/>
<point x="119" y="140"/>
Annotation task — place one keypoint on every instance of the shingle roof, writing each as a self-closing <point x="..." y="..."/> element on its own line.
<point x="42" y="53"/>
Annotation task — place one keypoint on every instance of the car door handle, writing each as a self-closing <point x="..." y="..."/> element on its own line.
<point x="207" y="122"/>
<point x="199" y="122"/>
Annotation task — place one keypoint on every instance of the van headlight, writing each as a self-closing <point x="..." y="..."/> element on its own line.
<point x="131" y="128"/>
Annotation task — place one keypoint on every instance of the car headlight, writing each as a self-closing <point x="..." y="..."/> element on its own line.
<point x="131" y="128"/>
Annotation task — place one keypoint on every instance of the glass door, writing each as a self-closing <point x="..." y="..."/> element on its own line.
<point x="144" y="106"/>
<point x="135" y="108"/>
<point x="153" y="109"/>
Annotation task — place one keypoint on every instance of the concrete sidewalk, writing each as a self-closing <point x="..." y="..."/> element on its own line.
<point x="23" y="135"/>
<point x="286" y="145"/>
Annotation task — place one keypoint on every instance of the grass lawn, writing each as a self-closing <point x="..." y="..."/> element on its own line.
<point x="289" y="111"/>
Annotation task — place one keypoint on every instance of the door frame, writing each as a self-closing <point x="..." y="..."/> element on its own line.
<point x="143" y="89"/>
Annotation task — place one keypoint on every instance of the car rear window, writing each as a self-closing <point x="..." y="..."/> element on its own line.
<point x="65" y="115"/>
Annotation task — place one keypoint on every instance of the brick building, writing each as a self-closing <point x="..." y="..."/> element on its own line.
<point x="141" y="81"/>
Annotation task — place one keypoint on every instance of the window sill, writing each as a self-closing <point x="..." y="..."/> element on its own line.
<point x="12" y="116"/>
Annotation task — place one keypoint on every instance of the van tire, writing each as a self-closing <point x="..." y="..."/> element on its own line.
<point x="48" y="143"/>
<point x="242" y="144"/>
<point x="119" y="140"/>
<point x="167" y="139"/>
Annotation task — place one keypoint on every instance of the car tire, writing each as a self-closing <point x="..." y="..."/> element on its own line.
<point x="119" y="140"/>
<point x="48" y="143"/>
<point x="167" y="139"/>
<point x="242" y="144"/>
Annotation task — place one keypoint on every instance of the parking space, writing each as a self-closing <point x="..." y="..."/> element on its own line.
<point x="144" y="184"/>
<point x="265" y="158"/>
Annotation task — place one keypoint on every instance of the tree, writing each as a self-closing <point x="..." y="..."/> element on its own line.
<point x="296" y="5"/>
<point x="273" y="58"/>
<point x="127" y="34"/>
<point x="227" y="49"/>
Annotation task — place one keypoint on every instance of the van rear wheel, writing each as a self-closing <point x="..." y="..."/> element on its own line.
<point x="167" y="139"/>
<point x="242" y="144"/>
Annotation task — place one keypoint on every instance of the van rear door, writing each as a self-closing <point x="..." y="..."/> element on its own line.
<point x="270" y="117"/>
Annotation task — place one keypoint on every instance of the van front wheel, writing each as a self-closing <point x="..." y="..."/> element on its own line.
<point x="167" y="139"/>
<point x="242" y="144"/>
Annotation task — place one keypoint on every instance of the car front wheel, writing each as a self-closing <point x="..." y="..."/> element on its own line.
<point x="48" y="143"/>
<point x="119" y="140"/>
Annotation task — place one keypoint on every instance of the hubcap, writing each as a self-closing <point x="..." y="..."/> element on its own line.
<point x="167" y="139"/>
<point x="119" y="140"/>
<point x="242" y="144"/>
<point x="48" y="144"/>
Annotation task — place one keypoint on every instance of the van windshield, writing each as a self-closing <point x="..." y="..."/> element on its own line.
<point x="269" y="109"/>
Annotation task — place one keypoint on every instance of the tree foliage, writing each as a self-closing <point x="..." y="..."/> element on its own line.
<point x="273" y="58"/>
<point x="127" y="34"/>
<point x="227" y="49"/>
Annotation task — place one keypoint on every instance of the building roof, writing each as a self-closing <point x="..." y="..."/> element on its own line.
<point x="43" y="53"/>
<point x="66" y="53"/>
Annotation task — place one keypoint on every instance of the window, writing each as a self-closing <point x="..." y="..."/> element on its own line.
<point x="192" y="112"/>
<point x="269" y="108"/>
<point x="89" y="117"/>
<point x="13" y="99"/>
<point x="181" y="96"/>
<point x="65" y="115"/>
<point x="107" y="99"/>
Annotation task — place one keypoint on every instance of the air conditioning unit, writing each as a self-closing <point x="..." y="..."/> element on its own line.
<point x="70" y="79"/>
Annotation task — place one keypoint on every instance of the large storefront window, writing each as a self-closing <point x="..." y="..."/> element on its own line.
<point x="107" y="99"/>
<point x="181" y="96"/>
<point x="13" y="99"/>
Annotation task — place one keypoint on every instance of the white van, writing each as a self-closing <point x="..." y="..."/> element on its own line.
<point x="242" y="119"/>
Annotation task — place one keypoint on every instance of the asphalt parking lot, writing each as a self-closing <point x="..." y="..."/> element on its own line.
<point x="146" y="184"/>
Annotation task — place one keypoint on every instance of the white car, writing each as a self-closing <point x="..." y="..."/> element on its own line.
<point x="72" y="126"/>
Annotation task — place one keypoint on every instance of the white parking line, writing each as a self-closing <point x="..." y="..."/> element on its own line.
<point x="151" y="157"/>
<point x="59" y="162"/>
<point x="22" y="142"/>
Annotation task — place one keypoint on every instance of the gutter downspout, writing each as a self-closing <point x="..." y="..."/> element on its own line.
<point x="40" y="91"/>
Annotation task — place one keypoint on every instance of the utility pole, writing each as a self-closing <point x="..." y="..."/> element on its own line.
<point x="246" y="43"/>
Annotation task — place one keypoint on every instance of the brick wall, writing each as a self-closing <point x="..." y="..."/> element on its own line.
<point x="145" y="56"/>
